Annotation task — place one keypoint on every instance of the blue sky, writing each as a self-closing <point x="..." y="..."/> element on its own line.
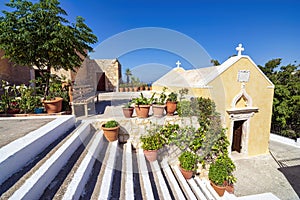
<point x="267" y="28"/>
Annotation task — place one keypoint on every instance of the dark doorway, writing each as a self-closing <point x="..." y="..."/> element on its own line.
<point x="101" y="82"/>
<point x="237" y="136"/>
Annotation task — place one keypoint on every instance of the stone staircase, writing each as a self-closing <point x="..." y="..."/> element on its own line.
<point x="81" y="164"/>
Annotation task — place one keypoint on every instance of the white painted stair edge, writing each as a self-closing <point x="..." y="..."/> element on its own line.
<point x="160" y="183"/>
<point x="35" y="185"/>
<point x="109" y="167"/>
<point x="81" y="176"/>
<point x="144" y="176"/>
<point x="182" y="181"/>
<point x="16" y="154"/>
<point x="127" y="188"/>
<point x="172" y="180"/>
<point x="196" y="189"/>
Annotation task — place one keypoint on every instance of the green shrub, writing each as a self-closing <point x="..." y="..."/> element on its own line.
<point x="152" y="141"/>
<point x="111" y="124"/>
<point x="188" y="160"/>
<point x="184" y="108"/>
<point x="221" y="171"/>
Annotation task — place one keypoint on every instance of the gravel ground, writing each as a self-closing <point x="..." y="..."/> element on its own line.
<point x="12" y="129"/>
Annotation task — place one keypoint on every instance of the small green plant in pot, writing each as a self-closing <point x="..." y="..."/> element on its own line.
<point x="142" y="105"/>
<point x="187" y="164"/>
<point x="220" y="173"/>
<point x="111" y="130"/>
<point x="151" y="143"/>
<point x="171" y="103"/>
<point x="127" y="110"/>
<point x="159" y="104"/>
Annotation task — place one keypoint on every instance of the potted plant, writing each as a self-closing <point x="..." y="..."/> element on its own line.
<point x="171" y="103"/>
<point x="159" y="104"/>
<point x="127" y="110"/>
<point x="220" y="173"/>
<point x="142" y="105"/>
<point x="111" y="130"/>
<point x="57" y="94"/>
<point x="122" y="87"/>
<point x="187" y="164"/>
<point x="151" y="143"/>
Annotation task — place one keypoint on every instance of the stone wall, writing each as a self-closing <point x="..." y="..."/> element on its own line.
<point x="13" y="74"/>
<point x="90" y="70"/>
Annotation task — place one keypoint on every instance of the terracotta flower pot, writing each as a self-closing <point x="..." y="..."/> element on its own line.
<point x="128" y="112"/>
<point x="151" y="155"/>
<point x="53" y="106"/>
<point x="135" y="89"/>
<point x="187" y="174"/>
<point x="111" y="134"/>
<point x="142" y="111"/>
<point x="158" y="110"/>
<point x="219" y="189"/>
<point x="171" y="107"/>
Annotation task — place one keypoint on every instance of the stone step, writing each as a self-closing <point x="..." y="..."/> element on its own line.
<point x="34" y="186"/>
<point x="84" y="165"/>
<point x="76" y="186"/>
<point x="58" y="186"/>
<point x="17" y="154"/>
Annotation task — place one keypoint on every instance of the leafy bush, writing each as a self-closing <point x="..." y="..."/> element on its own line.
<point x="188" y="160"/>
<point x="169" y="132"/>
<point x="152" y="141"/>
<point x="221" y="170"/>
<point x="111" y="124"/>
<point x="184" y="108"/>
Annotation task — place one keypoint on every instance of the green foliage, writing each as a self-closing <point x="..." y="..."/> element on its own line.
<point x="221" y="170"/>
<point x="172" y="97"/>
<point x="162" y="98"/>
<point x="182" y="93"/>
<point x="128" y="74"/>
<point x="184" y="108"/>
<point x="19" y="97"/>
<point x="143" y="100"/>
<point x="214" y="62"/>
<point x="286" y="102"/>
<point x="28" y="100"/>
<point x="152" y="141"/>
<point x="188" y="160"/>
<point x="127" y="105"/>
<point x="169" y="132"/>
<point x="111" y="124"/>
<point x="37" y="34"/>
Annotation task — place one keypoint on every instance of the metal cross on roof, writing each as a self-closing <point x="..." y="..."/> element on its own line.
<point x="239" y="49"/>
<point x="178" y="63"/>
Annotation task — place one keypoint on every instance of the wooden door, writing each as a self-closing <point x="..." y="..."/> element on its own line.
<point x="237" y="136"/>
<point x="101" y="82"/>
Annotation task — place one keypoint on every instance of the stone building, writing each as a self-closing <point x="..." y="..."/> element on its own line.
<point x="103" y="75"/>
<point x="243" y="96"/>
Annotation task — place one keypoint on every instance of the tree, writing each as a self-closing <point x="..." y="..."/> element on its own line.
<point x="286" y="102"/>
<point x="37" y="34"/>
<point x="128" y="75"/>
<point x="214" y="62"/>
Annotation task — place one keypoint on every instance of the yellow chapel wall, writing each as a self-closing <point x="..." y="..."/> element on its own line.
<point x="261" y="92"/>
